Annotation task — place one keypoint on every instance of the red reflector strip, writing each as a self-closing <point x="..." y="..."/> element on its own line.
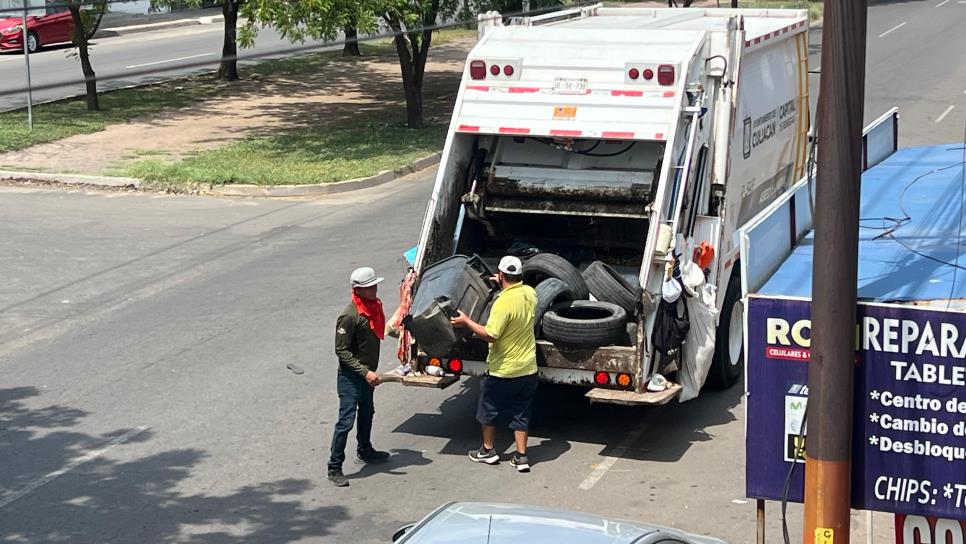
<point x="668" y="94"/>
<point x="482" y="88"/>
<point x="571" y="133"/>
<point x="512" y="130"/>
<point x="659" y="136"/>
<point x="617" y="135"/>
<point x="627" y="93"/>
<point x="524" y="90"/>
<point x="468" y="128"/>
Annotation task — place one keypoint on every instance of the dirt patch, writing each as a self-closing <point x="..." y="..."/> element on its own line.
<point x="340" y="90"/>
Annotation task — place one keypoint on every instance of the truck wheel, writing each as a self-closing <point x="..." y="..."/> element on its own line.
<point x="729" y="348"/>
<point x="547" y="265"/>
<point x="607" y="285"/>
<point x="550" y="292"/>
<point x="585" y="323"/>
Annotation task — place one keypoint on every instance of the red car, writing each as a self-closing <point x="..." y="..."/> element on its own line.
<point x="54" y="26"/>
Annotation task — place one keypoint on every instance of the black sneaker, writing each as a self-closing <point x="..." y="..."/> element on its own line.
<point x="520" y="461"/>
<point x="338" y="479"/>
<point x="371" y="456"/>
<point x="483" y="455"/>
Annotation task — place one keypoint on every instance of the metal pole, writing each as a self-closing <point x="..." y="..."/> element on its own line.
<point x="831" y="371"/>
<point x="526" y="6"/>
<point x="761" y="522"/>
<point x="26" y="62"/>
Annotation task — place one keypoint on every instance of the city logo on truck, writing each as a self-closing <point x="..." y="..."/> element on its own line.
<point x="759" y="130"/>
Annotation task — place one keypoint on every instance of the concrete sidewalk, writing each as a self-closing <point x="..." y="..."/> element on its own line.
<point x="123" y="24"/>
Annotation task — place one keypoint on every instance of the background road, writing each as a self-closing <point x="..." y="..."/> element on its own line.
<point x="144" y="344"/>
<point x="115" y="56"/>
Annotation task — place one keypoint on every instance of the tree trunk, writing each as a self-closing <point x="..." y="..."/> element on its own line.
<point x="351" y="47"/>
<point x="228" y="70"/>
<point x="411" y="87"/>
<point x="80" y="40"/>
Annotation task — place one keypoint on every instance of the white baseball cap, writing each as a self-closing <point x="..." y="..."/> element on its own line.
<point x="364" y="277"/>
<point x="511" y="265"/>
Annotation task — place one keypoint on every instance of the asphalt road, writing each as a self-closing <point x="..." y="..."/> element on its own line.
<point x="145" y="340"/>
<point x="169" y="50"/>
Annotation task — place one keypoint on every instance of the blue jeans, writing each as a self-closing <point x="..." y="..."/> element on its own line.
<point x="355" y="396"/>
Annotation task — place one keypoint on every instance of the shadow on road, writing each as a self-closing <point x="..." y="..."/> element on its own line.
<point x="563" y="416"/>
<point x="140" y="500"/>
<point x="398" y="460"/>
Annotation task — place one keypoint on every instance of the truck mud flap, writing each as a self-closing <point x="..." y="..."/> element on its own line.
<point x="632" y="398"/>
<point x="435" y="382"/>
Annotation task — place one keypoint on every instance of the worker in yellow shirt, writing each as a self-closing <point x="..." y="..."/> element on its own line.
<point x="510" y="383"/>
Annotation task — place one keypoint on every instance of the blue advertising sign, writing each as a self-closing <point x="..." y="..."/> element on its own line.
<point x="909" y="419"/>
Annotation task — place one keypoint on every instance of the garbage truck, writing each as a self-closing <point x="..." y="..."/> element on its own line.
<point x="612" y="148"/>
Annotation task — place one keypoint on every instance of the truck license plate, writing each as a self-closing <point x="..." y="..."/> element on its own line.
<point x="569" y="86"/>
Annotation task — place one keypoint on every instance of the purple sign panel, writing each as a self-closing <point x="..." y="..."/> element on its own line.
<point x="909" y="420"/>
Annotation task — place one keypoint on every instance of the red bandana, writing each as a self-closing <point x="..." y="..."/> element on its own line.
<point x="371" y="310"/>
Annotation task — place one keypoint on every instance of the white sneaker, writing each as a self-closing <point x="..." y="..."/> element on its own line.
<point x="657" y="383"/>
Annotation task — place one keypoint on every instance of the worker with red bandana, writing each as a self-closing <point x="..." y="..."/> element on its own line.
<point x="359" y="332"/>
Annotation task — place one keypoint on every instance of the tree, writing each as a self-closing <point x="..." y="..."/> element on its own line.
<point x="412" y="22"/>
<point x="228" y="69"/>
<point x="86" y="22"/>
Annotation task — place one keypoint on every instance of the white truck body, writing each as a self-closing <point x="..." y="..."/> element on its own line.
<point x="698" y="151"/>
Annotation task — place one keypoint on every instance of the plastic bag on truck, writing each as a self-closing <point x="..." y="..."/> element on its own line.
<point x="699" y="347"/>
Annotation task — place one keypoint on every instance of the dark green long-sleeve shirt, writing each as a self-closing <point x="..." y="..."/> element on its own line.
<point x="355" y="344"/>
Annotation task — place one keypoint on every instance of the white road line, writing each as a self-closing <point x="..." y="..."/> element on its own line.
<point x="893" y="29"/>
<point x="601" y="469"/>
<point x="167" y="61"/>
<point x="46" y="479"/>
<point x="944" y="114"/>
<point x="943" y="3"/>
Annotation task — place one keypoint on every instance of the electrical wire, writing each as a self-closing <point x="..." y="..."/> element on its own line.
<point x="256" y="56"/>
<point x="788" y="479"/>
<point x="614" y="154"/>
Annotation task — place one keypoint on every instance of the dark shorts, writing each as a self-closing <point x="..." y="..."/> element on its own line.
<point x="512" y="396"/>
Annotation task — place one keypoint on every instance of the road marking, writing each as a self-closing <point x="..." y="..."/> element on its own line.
<point x="601" y="469"/>
<point x="172" y="60"/>
<point x="893" y="29"/>
<point x="46" y="479"/>
<point x="944" y="114"/>
<point x="943" y="3"/>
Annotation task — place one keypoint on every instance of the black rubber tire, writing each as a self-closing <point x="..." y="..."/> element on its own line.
<point x="547" y="265"/>
<point x="724" y="372"/>
<point x="585" y="323"/>
<point x="36" y="49"/>
<point x="608" y="285"/>
<point x="550" y="292"/>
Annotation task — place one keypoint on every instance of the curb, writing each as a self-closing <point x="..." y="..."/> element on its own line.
<point x="325" y="188"/>
<point x="234" y="189"/>
<point x="70" y="179"/>
<point x="149" y="27"/>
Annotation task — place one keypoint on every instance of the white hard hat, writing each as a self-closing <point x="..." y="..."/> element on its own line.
<point x="511" y="265"/>
<point x="364" y="277"/>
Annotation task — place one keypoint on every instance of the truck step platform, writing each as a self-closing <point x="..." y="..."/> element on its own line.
<point x="632" y="398"/>
<point x="425" y="380"/>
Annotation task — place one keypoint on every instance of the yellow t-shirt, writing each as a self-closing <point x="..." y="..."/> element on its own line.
<point x="514" y="351"/>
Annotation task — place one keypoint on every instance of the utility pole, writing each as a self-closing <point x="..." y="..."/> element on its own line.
<point x="26" y="62"/>
<point x="831" y="371"/>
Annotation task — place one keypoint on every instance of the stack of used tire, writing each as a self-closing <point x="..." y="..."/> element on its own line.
<point x="565" y="315"/>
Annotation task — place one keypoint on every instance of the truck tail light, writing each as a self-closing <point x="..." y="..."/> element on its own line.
<point x="648" y="74"/>
<point x="665" y="74"/>
<point x="601" y="378"/>
<point x="508" y="70"/>
<point x="633" y="73"/>
<point x="455" y="366"/>
<point x="434" y="361"/>
<point x="624" y="380"/>
<point x="495" y="69"/>
<point x="478" y="69"/>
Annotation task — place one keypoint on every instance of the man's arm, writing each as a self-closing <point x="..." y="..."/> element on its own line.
<point x="462" y="320"/>
<point x="345" y="328"/>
